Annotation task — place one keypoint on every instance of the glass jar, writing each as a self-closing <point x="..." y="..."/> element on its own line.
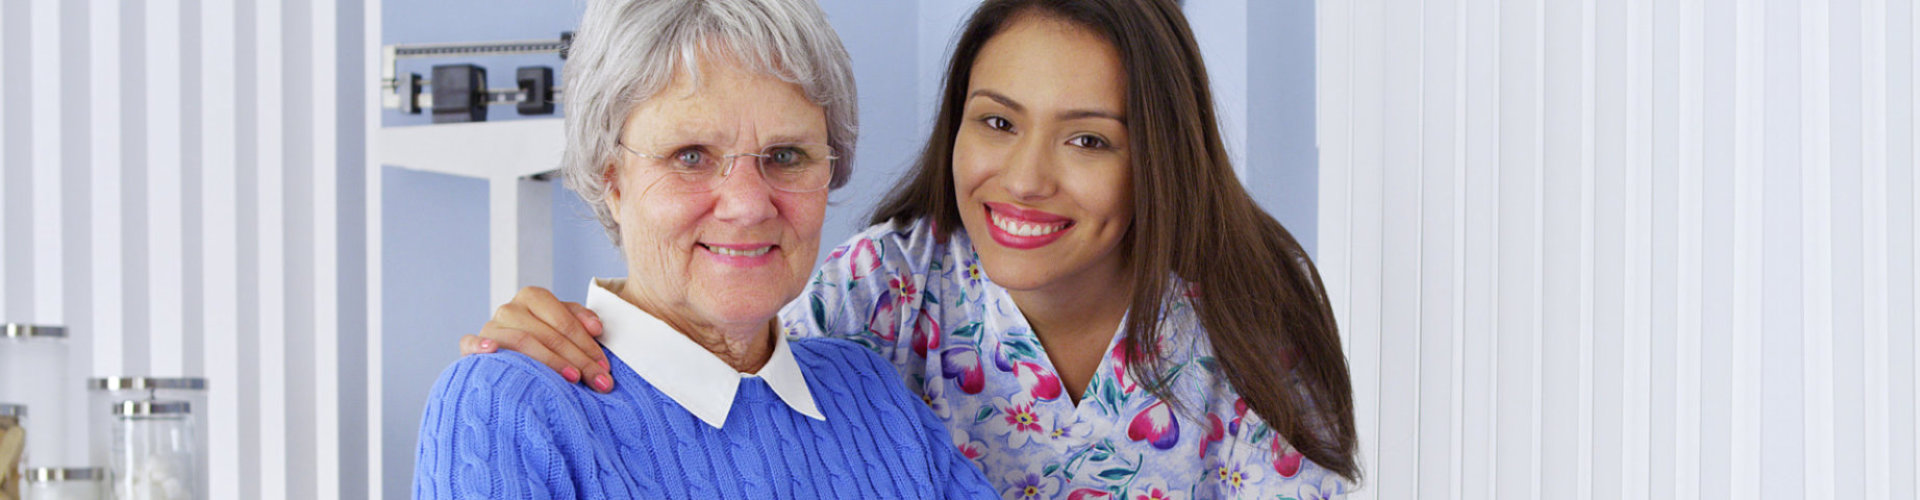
<point x="33" y="372"/>
<point x="13" y="447"/>
<point x="153" y="450"/>
<point x="54" y="483"/>
<point x="108" y="392"/>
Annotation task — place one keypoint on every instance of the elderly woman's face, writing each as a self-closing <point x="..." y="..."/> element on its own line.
<point x="733" y="255"/>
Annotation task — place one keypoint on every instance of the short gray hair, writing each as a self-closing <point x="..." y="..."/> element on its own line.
<point x="626" y="51"/>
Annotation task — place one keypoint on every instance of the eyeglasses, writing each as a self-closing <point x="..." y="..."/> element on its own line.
<point x="791" y="167"/>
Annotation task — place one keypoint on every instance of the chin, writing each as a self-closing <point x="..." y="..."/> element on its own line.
<point x="1017" y="273"/>
<point x="745" y="306"/>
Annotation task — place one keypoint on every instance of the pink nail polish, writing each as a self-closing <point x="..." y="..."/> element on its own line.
<point x="486" y="345"/>
<point x="605" y="366"/>
<point x="603" y="383"/>
<point x="572" y="374"/>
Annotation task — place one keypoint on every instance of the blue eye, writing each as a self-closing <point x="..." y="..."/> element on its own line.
<point x="690" y="158"/>
<point x="786" y="156"/>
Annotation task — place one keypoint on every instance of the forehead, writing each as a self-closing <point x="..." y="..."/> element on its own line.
<point x="719" y="100"/>
<point x="1049" y="63"/>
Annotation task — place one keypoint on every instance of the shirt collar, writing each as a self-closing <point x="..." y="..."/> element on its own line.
<point x="687" y="372"/>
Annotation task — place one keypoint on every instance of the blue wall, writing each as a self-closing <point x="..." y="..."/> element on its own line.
<point x="433" y="288"/>
<point x="1283" y="161"/>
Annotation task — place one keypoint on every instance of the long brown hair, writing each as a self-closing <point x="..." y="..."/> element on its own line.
<point x="1257" y="293"/>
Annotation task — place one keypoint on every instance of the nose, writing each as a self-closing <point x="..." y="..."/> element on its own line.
<point x="1028" y="174"/>
<point x="744" y="197"/>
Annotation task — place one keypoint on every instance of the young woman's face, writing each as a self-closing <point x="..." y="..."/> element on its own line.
<point x="1040" y="159"/>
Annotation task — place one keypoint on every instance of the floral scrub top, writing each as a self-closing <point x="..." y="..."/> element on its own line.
<point x="960" y="341"/>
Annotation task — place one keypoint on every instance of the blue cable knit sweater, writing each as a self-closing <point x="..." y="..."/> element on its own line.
<point x="503" y="426"/>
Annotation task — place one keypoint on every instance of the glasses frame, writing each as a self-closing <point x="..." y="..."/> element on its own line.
<point x="758" y="163"/>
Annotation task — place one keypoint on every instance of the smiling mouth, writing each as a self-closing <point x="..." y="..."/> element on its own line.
<point x="1024" y="228"/>
<point x="738" y="252"/>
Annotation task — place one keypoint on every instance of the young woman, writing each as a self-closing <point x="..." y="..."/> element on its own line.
<point x="1073" y="277"/>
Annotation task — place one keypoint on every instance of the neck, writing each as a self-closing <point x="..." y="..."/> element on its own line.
<point x="1086" y="309"/>
<point x="745" y="347"/>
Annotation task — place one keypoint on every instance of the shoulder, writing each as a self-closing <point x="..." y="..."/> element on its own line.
<point x="889" y="245"/>
<point x="505" y="377"/>
<point x="841" y="356"/>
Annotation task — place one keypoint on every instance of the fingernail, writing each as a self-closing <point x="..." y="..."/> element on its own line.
<point x="603" y="383"/>
<point x="486" y="345"/>
<point x="604" y="366"/>
<point x="572" y="374"/>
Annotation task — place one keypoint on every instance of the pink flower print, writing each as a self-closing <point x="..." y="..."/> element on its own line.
<point x="969" y="447"/>
<point x="1089" y="494"/>
<point x="1040" y="383"/>
<point x="883" y="322"/>
<point x="903" y="288"/>
<point x="1023" y="419"/>
<point x="962" y="364"/>
<point x="1155" y="425"/>
<point x="1019" y="421"/>
<point x="863" y="260"/>
<point x="973" y="450"/>
<point x="926" y="334"/>
<point x="1029" y="486"/>
<point x="1152" y="491"/>
<point x="1214" y="433"/>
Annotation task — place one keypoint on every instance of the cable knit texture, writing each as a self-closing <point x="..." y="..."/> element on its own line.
<point x="503" y="426"/>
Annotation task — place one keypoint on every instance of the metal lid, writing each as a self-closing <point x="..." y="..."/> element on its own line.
<point x="146" y="383"/>
<point x="12" y="410"/>
<point x="22" y="330"/>
<point x="150" y="408"/>
<point x="55" y="474"/>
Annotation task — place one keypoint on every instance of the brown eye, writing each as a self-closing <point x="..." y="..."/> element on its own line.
<point x="1088" y="142"/>
<point x="997" y="123"/>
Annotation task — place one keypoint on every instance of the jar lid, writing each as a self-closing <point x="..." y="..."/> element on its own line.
<point x="55" y="474"/>
<point x="12" y="410"/>
<point x="150" y="407"/>
<point x="22" y="330"/>
<point x="146" y="383"/>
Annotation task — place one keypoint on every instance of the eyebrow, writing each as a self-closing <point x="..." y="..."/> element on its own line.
<point x="1071" y="114"/>
<point x="776" y="139"/>
<point x="691" y="134"/>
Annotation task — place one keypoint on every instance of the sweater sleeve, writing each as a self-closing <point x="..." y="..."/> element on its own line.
<point x="489" y="432"/>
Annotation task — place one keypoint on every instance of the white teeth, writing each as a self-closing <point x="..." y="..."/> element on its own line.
<point x="1023" y="228"/>
<point x="740" y="253"/>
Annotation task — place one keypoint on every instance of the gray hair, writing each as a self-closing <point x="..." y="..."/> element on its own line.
<point x="626" y="51"/>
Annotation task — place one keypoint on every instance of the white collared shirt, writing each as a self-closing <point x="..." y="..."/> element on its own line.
<point x="687" y="372"/>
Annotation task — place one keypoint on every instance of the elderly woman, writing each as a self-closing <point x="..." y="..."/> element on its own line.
<point x="705" y="134"/>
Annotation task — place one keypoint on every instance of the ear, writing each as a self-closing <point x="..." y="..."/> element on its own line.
<point x="611" y="177"/>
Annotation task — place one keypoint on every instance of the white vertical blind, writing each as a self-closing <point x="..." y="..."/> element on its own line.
<point x="1624" y="249"/>
<point x="180" y="162"/>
